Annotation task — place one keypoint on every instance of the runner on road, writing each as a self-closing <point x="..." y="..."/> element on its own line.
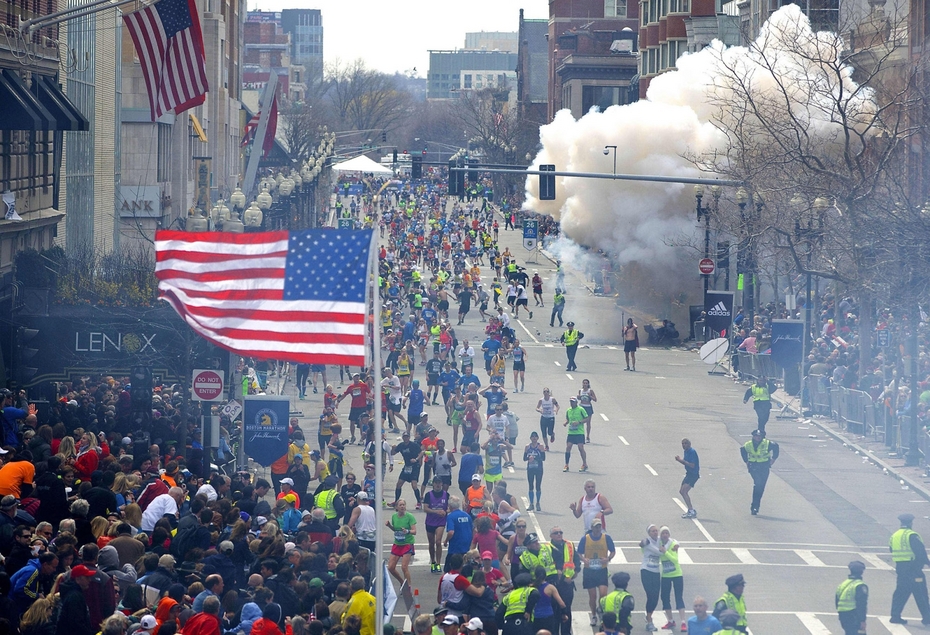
<point x="692" y="473"/>
<point x="630" y="343"/>
<point x="534" y="456"/>
<point x="548" y="409"/>
<point x="519" y="366"/>
<point x="575" y="420"/>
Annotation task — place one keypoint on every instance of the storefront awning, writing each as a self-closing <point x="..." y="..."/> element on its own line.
<point x="44" y="107"/>
<point x="66" y="113"/>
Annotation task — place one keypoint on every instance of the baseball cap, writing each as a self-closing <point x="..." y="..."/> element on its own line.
<point x="474" y="624"/>
<point x="487" y="555"/>
<point x="451" y="619"/>
<point x="315" y="583"/>
<point x="299" y="456"/>
<point x="476" y="477"/>
<point x="260" y="520"/>
<point x="82" y="571"/>
<point x="362" y="496"/>
<point x="439" y="610"/>
<point x="757" y="433"/>
<point x="287" y="481"/>
<point x="3" y="451"/>
<point x="597" y="523"/>
<point x="166" y="561"/>
<point x="148" y="622"/>
<point x="227" y="546"/>
<point x="8" y="502"/>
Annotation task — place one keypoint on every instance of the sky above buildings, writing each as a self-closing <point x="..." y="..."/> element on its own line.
<point x="395" y="36"/>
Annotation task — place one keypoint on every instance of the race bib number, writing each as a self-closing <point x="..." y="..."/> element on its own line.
<point x="400" y="536"/>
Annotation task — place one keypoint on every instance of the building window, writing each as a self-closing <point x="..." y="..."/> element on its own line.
<point x="614" y="8"/>
<point x="663" y="56"/>
<point x="675" y="49"/>
<point x="164" y="152"/>
<point x="644" y="13"/>
<point x="567" y="96"/>
<point x="467" y="81"/>
<point x="603" y="97"/>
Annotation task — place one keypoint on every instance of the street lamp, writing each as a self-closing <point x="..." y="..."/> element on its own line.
<point x="607" y="150"/>
<point x="196" y="222"/>
<point x="742" y="257"/>
<point x="264" y="200"/>
<point x="253" y="215"/>
<point x="703" y="212"/>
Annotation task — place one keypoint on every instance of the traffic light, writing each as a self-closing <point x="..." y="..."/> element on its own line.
<point x="383" y="137"/>
<point x="140" y="396"/>
<point x="416" y="167"/>
<point x="23" y="354"/>
<point x="395" y="156"/>
<point x="547" y="183"/>
<point x="456" y="180"/>
<point x="473" y="172"/>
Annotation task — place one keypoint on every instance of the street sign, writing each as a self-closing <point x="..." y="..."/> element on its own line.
<point x="529" y="244"/>
<point x="530" y="228"/>
<point x="207" y="385"/>
<point x="882" y="338"/>
<point x="346" y="223"/>
<point x="232" y="409"/>
<point x="706" y="266"/>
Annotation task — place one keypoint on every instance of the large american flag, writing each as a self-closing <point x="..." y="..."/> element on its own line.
<point x="297" y="296"/>
<point x="169" y="45"/>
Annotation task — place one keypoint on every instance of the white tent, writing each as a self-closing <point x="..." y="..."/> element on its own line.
<point x="361" y="164"/>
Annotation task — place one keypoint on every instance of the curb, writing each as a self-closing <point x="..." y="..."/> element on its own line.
<point x="916" y="487"/>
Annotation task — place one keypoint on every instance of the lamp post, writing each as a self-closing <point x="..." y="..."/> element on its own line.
<point x="607" y="150"/>
<point x="703" y="212"/>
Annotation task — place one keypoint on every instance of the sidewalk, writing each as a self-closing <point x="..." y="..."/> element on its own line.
<point x="891" y="463"/>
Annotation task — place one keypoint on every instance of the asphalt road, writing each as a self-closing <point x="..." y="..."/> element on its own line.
<point x="823" y="506"/>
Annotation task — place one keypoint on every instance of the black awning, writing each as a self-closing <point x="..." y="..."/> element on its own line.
<point x="66" y="114"/>
<point x="22" y="111"/>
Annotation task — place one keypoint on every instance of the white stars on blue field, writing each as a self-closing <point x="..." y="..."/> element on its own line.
<point x="327" y="264"/>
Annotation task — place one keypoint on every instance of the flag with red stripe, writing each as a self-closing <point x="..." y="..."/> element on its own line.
<point x="169" y="44"/>
<point x="249" y="132"/>
<point x="297" y="296"/>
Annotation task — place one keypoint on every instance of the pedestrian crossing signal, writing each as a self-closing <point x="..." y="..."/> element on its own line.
<point x="547" y="183"/>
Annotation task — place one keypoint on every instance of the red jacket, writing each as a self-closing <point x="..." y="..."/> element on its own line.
<point x="202" y="624"/>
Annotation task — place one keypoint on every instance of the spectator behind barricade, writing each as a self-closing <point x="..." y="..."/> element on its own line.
<point x="278" y="582"/>
<point x="163" y="506"/>
<point x="319" y="530"/>
<point x="17" y="474"/>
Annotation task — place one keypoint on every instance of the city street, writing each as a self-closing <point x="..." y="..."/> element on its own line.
<point x="823" y="505"/>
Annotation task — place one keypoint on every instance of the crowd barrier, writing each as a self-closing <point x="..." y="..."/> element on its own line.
<point x="753" y="366"/>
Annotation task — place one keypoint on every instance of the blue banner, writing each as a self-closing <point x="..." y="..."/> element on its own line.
<point x="265" y="421"/>
<point x="787" y="346"/>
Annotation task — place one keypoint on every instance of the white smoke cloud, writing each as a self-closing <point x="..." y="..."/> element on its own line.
<point x="635" y="221"/>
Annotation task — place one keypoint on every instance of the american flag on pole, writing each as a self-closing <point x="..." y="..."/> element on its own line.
<point x="169" y="45"/>
<point x="299" y="296"/>
<point x="251" y="127"/>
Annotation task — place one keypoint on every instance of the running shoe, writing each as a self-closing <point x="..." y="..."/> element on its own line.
<point x="669" y="626"/>
<point x="593" y="619"/>
<point x="684" y="627"/>
<point x="565" y="469"/>
<point x="651" y="627"/>
<point x="547" y="449"/>
<point x="687" y="515"/>
<point x="538" y="508"/>
<point x="419" y="507"/>
<point x="584" y="468"/>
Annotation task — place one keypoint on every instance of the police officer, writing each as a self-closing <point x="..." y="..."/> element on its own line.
<point x="570" y="339"/>
<point x="759" y="455"/>
<point x="761" y="394"/>
<point x="558" y="305"/>
<point x="538" y="555"/>
<point x="515" y="612"/>
<point x="729" y="620"/>
<point x="852" y="600"/>
<point x="733" y="600"/>
<point x="910" y="556"/>
<point x="619" y="602"/>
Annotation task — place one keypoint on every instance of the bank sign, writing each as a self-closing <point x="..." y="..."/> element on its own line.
<point x="138" y="201"/>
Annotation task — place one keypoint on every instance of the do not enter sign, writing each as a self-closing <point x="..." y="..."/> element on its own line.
<point x="706" y="266"/>
<point x="207" y="385"/>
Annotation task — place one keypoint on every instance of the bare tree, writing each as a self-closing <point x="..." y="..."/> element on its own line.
<point x="364" y="99"/>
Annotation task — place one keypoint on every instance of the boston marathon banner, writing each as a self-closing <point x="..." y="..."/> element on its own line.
<point x="265" y="420"/>
<point x="786" y="342"/>
<point x="718" y="310"/>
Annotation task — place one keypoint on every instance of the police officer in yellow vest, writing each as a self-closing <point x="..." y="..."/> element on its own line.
<point x="910" y="556"/>
<point x="733" y="600"/>
<point x="759" y="455"/>
<point x="729" y="620"/>
<point x="619" y="602"/>
<point x="852" y="600"/>
<point x="538" y="555"/>
<point x="567" y="562"/>
<point x="331" y="502"/>
<point x="570" y="339"/>
<point x="761" y="394"/>
<point x="515" y="612"/>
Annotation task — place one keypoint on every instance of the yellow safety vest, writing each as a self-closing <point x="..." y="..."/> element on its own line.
<point x="530" y="561"/>
<point x="571" y="337"/>
<point x="325" y="500"/>
<point x="516" y="600"/>
<point x="760" y="393"/>
<point x="613" y="601"/>
<point x="512" y="267"/>
<point x="846" y="594"/>
<point x="568" y="554"/>
<point x="900" y="544"/>
<point x="758" y="454"/>
<point x="735" y="604"/>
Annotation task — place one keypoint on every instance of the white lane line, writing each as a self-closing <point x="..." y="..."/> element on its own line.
<point x="527" y="331"/>
<point x="511" y="470"/>
<point x="624" y="441"/>
<point x="660" y="377"/>
<point x="876" y="562"/>
<point x="556" y="363"/>
<point x="744" y="556"/>
<point x="683" y="556"/>
<point x="553" y="346"/>
<point x="651" y="471"/>
<point x="570" y="378"/>
<point x="808" y="556"/>
<point x="619" y="558"/>
<point x="613" y="348"/>
<point x="532" y="515"/>
<point x="697" y="523"/>
<point x="812" y="624"/>
<point x="894" y="629"/>
<point x="603" y="416"/>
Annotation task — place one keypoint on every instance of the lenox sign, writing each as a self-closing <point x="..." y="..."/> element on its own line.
<point x="101" y="342"/>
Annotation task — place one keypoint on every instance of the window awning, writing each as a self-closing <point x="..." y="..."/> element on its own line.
<point x="66" y="113"/>
<point x="43" y="108"/>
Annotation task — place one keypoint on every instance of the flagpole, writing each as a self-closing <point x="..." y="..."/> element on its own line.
<point x="254" y="157"/>
<point x="377" y="458"/>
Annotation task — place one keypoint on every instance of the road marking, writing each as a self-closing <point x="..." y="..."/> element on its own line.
<point x="557" y="364"/>
<point x="683" y="557"/>
<point x="670" y="364"/>
<point x="651" y="471"/>
<point x="550" y="345"/>
<point x="624" y="441"/>
<point x="876" y="562"/>
<point x="613" y="348"/>
<point x="812" y="624"/>
<point x="744" y="556"/>
<point x="894" y="629"/>
<point x="808" y="556"/>
<point x="511" y="470"/>
<point x="532" y="515"/>
<point x="603" y="416"/>
<point x="697" y="523"/>
<point x="570" y="378"/>
<point x="660" y="377"/>
<point x="527" y="331"/>
<point x="619" y="558"/>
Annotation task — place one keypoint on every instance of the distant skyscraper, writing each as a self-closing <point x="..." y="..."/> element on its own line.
<point x="305" y="27"/>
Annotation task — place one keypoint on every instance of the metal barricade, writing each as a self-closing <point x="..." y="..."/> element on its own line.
<point x="818" y="390"/>
<point x="755" y="365"/>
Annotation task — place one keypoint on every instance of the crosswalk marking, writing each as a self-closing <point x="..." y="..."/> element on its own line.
<point x="812" y="624"/>
<point x="550" y="345"/>
<point x="570" y="378"/>
<point x="744" y="556"/>
<point x="683" y="556"/>
<point x="876" y="562"/>
<point x="651" y="471"/>
<point x="619" y="558"/>
<point x="556" y="363"/>
<point x="894" y="629"/>
<point x="603" y="416"/>
<point x="809" y="557"/>
<point x="623" y="441"/>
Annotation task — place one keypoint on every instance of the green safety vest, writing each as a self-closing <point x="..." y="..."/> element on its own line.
<point x="757" y="454"/>
<point x="512" y="267"/>
<point x="846" y="594"/>
<point x="900" y="544"/>
<point x="760" y="393"/>
<point x="576" y="417"/>
<point x="670" y="567"/>
<point x="613" y="601"/>
<point x="571" y="337"/>
<point x="435" y="331"/>
<point x="737" y="604"/>
<point x="558" y="299"/>
<point x="325" y="500"/>
<point x="529" y="560"/>
<point x="516" y="600"/>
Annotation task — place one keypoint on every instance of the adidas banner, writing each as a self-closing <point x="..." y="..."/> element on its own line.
<point x="718" y="311"/>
